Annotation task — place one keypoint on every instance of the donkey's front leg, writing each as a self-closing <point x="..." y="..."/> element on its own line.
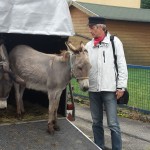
<point x="51" y="120"/>
<point x="58" y="94"/>
<point x="54" y="98"/>
<point x="56" y="127"/>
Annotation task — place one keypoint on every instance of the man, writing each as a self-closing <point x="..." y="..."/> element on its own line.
<point x="105" y="85"/>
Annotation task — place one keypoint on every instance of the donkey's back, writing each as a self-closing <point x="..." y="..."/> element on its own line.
<point x="34" y="67"/>
<point x="28" y="58"/>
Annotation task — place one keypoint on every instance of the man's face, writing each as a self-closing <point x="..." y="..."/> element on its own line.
<point x="96" y="31"/>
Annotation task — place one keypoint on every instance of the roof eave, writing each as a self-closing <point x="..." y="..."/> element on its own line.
<point x="90" y="13"/>
<point x="85" y="10"/>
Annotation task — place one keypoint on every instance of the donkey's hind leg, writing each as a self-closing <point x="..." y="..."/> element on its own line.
<point x="19" y="103"/>
<point x="22" y="88"/>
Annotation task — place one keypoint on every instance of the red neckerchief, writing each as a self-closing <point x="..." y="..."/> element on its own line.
<point x="98" y="40"/>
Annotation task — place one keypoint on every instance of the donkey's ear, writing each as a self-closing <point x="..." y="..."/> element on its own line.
<point x="71" y="48"/>
<point x="83" y="46"/>
<point x="68" y="48"/>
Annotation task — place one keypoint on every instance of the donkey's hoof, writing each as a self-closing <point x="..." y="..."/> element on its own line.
<point x="19" y="116"/>
<point x="51" y="128"/>
<point x="51" y="131"/>
<point x="56" y="128"/>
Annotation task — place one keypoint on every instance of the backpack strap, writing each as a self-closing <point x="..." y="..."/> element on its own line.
<point x="113" y="47"/>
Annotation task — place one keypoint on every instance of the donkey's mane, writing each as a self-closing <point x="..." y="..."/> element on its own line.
<point x="62" y="52"/>
<point x="61" y="57"/>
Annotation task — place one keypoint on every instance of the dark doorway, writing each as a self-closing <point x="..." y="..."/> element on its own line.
<point x="42" y="43"/>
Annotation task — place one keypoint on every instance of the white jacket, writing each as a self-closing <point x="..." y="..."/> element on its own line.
<point x="103" y="74"/>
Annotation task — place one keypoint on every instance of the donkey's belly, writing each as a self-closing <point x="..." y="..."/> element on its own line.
<point x="36" y="86"/>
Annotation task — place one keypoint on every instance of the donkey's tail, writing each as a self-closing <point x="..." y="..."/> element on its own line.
<point x="12" y="76"/>
<point x="15" y="78"/>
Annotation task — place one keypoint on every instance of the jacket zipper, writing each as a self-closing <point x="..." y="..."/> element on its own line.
<point x="104" y="56"/>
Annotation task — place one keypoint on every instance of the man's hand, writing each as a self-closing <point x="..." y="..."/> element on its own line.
<point x="119" y="93"/>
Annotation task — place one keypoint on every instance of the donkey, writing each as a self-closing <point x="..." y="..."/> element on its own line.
<point x="49" y="73"/>
<point x="6" y="76"/>
<point x="5" y="81"/>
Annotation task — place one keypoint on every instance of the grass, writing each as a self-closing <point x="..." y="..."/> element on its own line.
<point x="138" y="87"/>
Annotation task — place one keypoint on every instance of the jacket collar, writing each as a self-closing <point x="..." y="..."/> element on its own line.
<point x="106" y="40"/>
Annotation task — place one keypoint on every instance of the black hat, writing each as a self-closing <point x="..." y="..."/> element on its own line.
<point x="96" y="20"/>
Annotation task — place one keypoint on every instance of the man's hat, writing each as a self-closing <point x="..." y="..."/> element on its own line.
<point x="96" y="20"/>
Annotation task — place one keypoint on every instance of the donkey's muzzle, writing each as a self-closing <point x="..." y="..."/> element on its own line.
<point x="84" y="84"/>
<point x="3" y="104"/>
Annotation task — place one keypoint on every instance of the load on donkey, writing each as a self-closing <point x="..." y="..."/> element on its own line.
<point x="41" y="31"/>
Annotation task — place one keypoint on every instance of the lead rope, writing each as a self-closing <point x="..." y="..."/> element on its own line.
<point x="71" y="106"/>
<point x="71" y="64"/>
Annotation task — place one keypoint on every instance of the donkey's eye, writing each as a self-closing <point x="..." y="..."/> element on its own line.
<point x="85" y="51"/>
<point x="80" y="68"/>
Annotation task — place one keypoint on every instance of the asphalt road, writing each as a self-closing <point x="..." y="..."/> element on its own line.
<point x="135" y="134"/>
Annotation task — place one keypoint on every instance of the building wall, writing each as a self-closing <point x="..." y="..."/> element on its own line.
<point x="134" y="35"/>
<point x="123" y="3"/>
<point x="136" y="40"/>
<point x="80" y="21"/>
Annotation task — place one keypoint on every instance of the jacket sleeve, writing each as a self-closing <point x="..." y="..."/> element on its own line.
<point x="121" y="63"/>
